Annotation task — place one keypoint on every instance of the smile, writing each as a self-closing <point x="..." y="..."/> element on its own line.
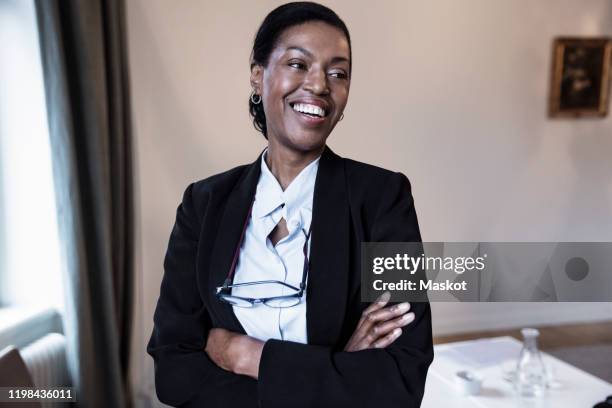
<point x="309" y="110"/>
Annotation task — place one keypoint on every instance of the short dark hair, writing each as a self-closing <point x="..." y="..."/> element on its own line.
<point x="275" y="23"/>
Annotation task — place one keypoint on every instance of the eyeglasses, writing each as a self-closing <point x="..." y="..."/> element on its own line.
<point x="223" y="292"/>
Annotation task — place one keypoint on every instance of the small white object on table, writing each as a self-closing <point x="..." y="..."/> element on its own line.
<point x="490" y="359"/>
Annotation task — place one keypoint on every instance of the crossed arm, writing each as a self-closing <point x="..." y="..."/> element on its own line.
<point x="378" y="327"/>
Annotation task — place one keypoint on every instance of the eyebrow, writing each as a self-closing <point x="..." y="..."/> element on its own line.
<point x="309" y="54"/>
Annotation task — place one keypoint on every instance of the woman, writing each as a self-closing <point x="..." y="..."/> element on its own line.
<point x="260" y="301"/>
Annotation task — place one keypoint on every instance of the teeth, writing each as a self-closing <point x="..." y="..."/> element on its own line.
<point x="310" y="109"/>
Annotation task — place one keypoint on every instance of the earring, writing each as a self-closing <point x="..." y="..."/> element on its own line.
<point x="256" y="99"/>
<point x="341" y="117"/>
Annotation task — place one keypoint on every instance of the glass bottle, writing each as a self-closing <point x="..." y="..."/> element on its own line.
<point x="530" y="370"/>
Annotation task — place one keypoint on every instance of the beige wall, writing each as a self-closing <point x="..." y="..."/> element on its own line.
<point x="452" y="93"/>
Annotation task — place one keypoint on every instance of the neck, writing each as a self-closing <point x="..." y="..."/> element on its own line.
<point x="285" y="164"/>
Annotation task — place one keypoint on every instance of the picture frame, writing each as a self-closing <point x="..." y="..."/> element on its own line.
<point x="580" y="77"/>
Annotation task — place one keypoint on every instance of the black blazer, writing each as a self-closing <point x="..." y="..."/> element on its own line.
<point x="353" y="202"/>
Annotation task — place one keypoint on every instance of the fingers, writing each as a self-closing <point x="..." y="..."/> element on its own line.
<point x="384" y="321"/>
<point x="379" y="324"/>
<point x="389" y="313"/>
<point x="378" y="304"/>
<point x="368" y="332"/>
<point x="382" y="329"/>
<point x="388" y="339"/>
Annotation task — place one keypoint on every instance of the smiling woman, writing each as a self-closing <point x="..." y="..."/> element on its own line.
<point x="304" y="83"/>
<point x="260" y="301"/>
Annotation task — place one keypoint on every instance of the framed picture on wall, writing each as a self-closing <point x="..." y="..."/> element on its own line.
<point x="580" y="77"/>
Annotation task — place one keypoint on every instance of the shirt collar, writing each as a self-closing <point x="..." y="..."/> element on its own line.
<point x="299" y="194"/>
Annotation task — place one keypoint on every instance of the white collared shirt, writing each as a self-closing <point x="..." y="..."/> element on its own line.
<point x="260" y="260"/>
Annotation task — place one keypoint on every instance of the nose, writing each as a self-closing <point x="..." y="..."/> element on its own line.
<point x="316" y="82"/>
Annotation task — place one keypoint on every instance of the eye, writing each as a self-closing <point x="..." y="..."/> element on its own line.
<point x="297" y="65"/>
<point x="338" y="74"/>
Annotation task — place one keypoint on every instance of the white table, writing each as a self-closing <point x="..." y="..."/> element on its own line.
<point x="489" y="358"/>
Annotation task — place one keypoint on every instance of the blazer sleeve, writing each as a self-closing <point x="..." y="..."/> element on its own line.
<point x="184" y="375"/>
<point x="311" y="376"/>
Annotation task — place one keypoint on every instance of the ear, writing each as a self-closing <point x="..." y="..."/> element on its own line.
<point x="256" y="78"/>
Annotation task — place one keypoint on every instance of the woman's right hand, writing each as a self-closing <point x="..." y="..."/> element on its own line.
<point x="380" y="326"/>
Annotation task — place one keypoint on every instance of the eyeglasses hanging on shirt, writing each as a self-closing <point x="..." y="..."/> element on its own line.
<point x="224" y="292"/>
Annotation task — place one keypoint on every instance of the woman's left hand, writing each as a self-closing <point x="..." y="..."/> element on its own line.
<point x="234" y="352"/>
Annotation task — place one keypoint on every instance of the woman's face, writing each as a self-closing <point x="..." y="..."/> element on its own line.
<point x="305" y="85"/>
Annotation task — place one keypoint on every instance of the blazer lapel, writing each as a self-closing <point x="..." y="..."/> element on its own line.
<point x="329" y="253"/>
<point x="229" y="231"/>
